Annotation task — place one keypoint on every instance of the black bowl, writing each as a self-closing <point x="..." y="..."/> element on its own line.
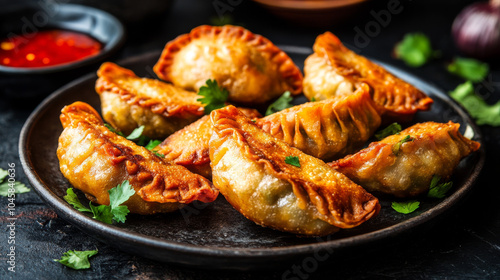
<point x="31" y="82"/>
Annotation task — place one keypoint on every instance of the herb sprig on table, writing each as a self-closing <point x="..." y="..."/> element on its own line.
<point x="77" y="259"/>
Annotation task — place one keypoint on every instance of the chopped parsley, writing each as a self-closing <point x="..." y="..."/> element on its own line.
<point x="5" y="185"/>
<point x="105" y="213"/>
<point x="483" y="113"/>
<point x="214" y="97"/>
<point x="292" y="160"/>
<point x="469" y="69"/>
<point x="415" y="49"/>
<point x="280" y="104"/>
<point x="405" y="207"/>
<point x="112" y="129"/>
<point x="77" y="259"/>
<point x="438" y="190"/>
<point x="391" y="129"/>
<point x="136" y="133"/>
<point x="397" y="147"/>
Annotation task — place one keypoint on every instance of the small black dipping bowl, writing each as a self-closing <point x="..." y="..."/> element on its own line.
<point x="36" y="83"/>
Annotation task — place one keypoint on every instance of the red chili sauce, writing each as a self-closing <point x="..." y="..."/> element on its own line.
<point x="47" y="48"/>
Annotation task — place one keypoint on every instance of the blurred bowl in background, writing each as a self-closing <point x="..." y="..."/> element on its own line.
<point x="130" y="12"/>
<point x="313" y="13"/>
<point x="19" y="82"/>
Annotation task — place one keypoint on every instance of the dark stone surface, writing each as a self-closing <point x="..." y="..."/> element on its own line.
<point x="463" y="244"/>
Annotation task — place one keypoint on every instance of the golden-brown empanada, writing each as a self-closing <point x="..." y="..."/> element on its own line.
<point x="249" y="66"/>
<point x="128" y="102"/>
<point x="406" y="169"/>
<point x="250" y="169"/>
<point x="189" y="146"/>
<point x="326" y="129"/>
<point x="335" y="70"/>
<point x="94" y="160"/>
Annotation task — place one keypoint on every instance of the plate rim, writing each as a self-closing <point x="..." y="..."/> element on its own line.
<point x="87" y="224"/>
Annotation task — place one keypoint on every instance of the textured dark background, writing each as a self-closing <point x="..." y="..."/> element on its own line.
<point x="465" y="243"/>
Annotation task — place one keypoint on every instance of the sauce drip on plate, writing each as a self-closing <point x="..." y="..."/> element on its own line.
<point x="47" y="48"/>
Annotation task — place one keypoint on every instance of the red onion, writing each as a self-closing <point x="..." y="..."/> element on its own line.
<point x="476" y="29"/>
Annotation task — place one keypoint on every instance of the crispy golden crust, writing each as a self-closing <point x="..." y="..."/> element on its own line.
<point x="317" y="189"/>
<point x="249" y="66"/>
<point x="326" y="129"/>
<point x="129" y="101"/>
<point x="333" y="69"/>
<point x="436" y="149"/>
<point x="95" y="160"/>
<point x="189" y="146"/>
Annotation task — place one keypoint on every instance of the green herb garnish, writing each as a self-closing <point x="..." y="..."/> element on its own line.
<point x="292" y="160"/>
<point x="397" y="146"/>
<point x="152" y="144"/>
<point x="415" y="49"/>
<point x="469" y="69"/>
<point x="482" y="112"/>
<point x="438" y="190"/>
<point x="214" y="97"/>
<point x="405" y="207"/>
<point x="112" y="129"/>
<point x="105" y="213"/>
<point x="77" y="259"/>
<point x="222" y="20"/>
<point x="5" y="185"/>
<point x="280" y="104"/>
<point x="136" y="133"/>
<point x="391" y="129"/>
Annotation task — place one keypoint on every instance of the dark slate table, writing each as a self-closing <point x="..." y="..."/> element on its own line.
<point x="464" y="243"/>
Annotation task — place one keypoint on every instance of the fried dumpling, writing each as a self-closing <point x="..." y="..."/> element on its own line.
<point x="326" y="129"/>
<point x="335" y="70"/>
<point x="249" y="167"/>
<point x="404" y="164"/>
<point x="189" y="146"/>
<point x="94" y="160"/>
<point x="128" y="102"/>
<point x="249" y="66"/>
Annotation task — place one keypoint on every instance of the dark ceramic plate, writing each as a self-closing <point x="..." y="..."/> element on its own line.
<point x="215" y="235"/>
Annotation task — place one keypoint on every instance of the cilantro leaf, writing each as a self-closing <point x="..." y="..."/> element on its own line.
<point x="72" y="199"/>
<point x="102" y="213"/>
<point x="136" y="133"/>
<point x="438" y="190"/>
<point x="292" y="160"/>
<point x="152" y="144"/>
<point x="106" y="213"/>
<point x="112" y="129"/>
<point x="482" y="112"/>
<point x="469" y="69"/>
<point x="120" y="194"/>
<point x="18" y="188"/>
<point x="120" y="213"/>
<point x="158" y="154"/>
<point x="280" y="104"/>
<point x="222" y="20"/>
<point x="415" y="49"/>
<point x="3" y="174"/>
<point x="313" y="99"/>
<point x="5" y="185"/>
<point x="214" y="97"/>
<point x="397" y="146"/>
<point x="391" y="129"/>
<point x="405" y="207"/>
<point x="77" y="259"/>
